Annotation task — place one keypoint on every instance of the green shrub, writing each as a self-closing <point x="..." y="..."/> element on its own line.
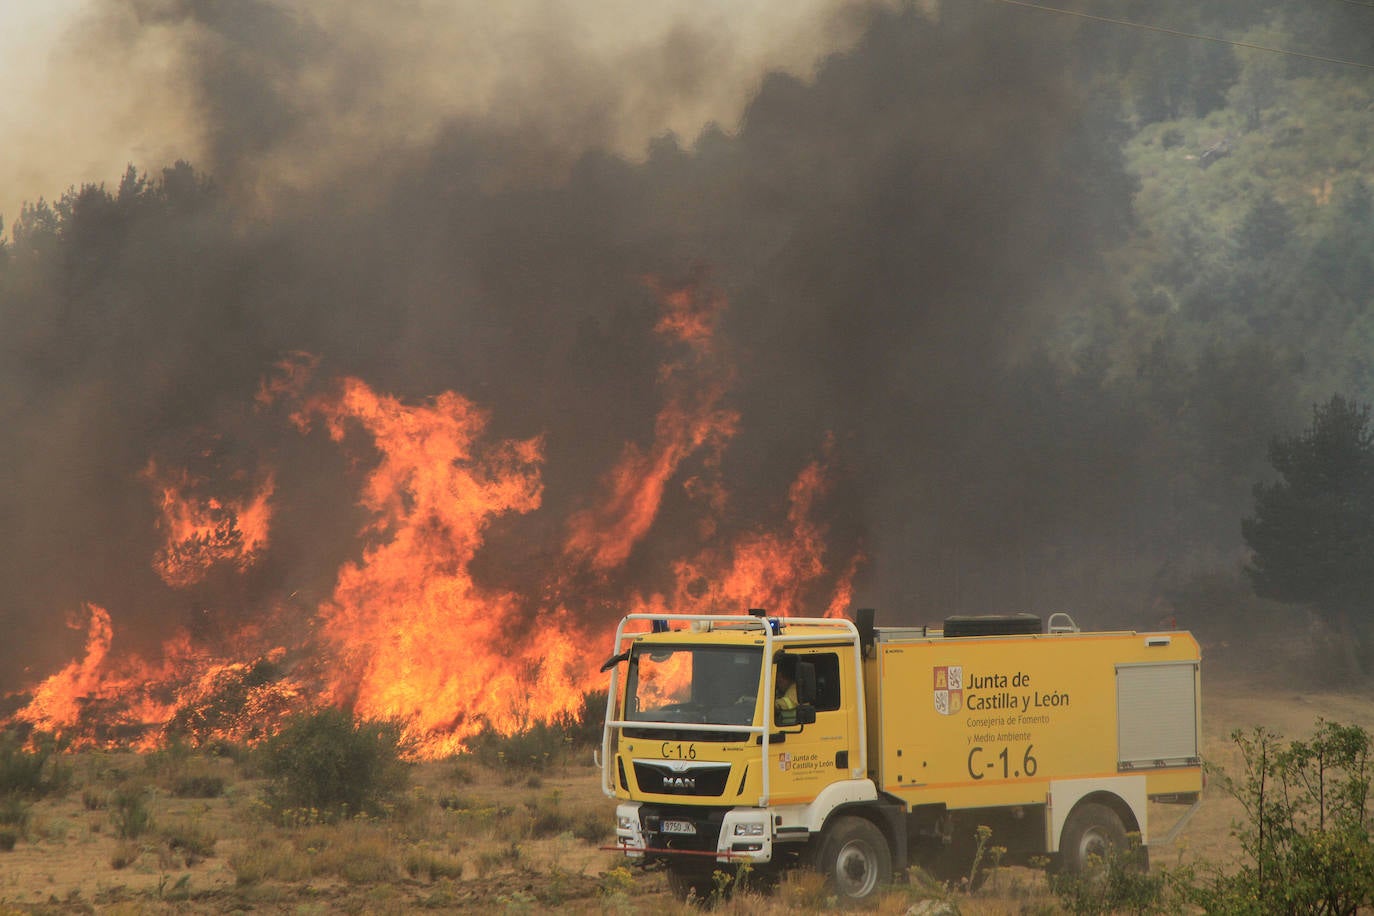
<point x="542" y="744"/>
<point x="267" y="858"/>
<point x="531" y="751"/>
<point x="14" y="812"/>
<point x="325" y="762"/>
<point x="456" y="802"/>
<point x="547" y="817"/>
<point x="1308" y="833"/>
<point x="1116" y="884"/>
<point x="188" y="841"/>
<point x="129" y="812"/>
<point x="431" y="865"/>
<point x="585" y="728"/>
<point x="31" y="771"/>
<point x="592" y="827"/>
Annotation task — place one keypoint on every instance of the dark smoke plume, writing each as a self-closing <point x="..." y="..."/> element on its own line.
<point x="894" y="238"/>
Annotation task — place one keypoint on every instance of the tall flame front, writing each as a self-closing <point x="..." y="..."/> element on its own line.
<point x="409" y="631"/>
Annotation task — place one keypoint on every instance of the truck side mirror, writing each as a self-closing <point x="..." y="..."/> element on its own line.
<point x="806" y="714"/>
<point x="806" y="684"/>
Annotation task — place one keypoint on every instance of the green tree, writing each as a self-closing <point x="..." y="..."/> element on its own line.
<point x="1312" y="533"/>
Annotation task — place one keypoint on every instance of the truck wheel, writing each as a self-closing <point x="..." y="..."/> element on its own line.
<point x="688" y="883"/>
<point x="854" y="858"/>
<point x="1092" y="834"/>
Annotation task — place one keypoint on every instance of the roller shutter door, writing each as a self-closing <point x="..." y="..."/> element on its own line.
<point x="1156" y="707"/>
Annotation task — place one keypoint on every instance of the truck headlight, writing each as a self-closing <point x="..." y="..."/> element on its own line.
<point x="749" y="829"/>
<point x="627" y="822"/>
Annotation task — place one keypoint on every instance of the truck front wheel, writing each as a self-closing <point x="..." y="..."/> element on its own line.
<point x="854" y="858"/>
<point x="1092" y="834"/>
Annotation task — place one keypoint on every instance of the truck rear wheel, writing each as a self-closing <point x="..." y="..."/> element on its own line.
<point x="1092" y="834"/>
<point x="854" y="858"/>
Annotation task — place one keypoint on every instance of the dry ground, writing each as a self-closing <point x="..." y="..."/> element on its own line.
<point x="471" y="839"/>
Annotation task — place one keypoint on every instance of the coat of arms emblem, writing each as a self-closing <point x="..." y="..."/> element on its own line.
<point x="949" y="689"/>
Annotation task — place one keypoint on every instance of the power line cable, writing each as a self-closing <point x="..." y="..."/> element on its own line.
<point x="1181" y="34"/>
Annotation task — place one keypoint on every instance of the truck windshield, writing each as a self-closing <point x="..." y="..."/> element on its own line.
<point x="715" y="685"/>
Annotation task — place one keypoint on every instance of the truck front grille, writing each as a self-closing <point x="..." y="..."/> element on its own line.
<point x="697" y="779"/>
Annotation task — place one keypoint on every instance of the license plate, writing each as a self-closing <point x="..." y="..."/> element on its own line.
<point x="679" y="827"/>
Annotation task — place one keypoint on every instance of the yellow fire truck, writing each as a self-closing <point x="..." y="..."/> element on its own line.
<point x="901" y="742"/>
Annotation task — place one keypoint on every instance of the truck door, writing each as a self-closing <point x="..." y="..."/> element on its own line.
<point x="804" y="759"/>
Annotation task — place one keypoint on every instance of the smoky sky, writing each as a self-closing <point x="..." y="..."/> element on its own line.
<point x="895" y="234"/>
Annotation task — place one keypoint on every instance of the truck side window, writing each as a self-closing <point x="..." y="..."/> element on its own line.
<point x="827" y="680"/>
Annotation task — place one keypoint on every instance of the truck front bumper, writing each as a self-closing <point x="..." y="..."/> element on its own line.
<point x="653" y="832"/>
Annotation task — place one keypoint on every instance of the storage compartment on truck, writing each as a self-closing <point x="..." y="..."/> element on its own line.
<point x="1157" y="723"/>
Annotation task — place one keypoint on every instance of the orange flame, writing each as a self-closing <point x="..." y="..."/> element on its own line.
<point x="414" y="636"/>
<point x="56" y="701"/>
<point x="409" y="632"/>
<point x="778" y="571"/>
<point x="691" y="421"/>
<point x="101" y="701"/>
<point x="202" y="531"/>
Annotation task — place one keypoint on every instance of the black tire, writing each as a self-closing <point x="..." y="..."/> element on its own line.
<point x="854" y="857"/>
<point x="1092" y="834"/>
<point x="691" y="883"/>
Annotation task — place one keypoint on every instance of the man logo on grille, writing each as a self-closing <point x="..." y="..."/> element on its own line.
<point x="949" y="689"/>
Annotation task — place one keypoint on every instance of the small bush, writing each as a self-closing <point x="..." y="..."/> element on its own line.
<point x="125" y="854"/>
<point x="31" y="772"/>
<point x="456" y="802"/>
<point x="1114" y="885"/>
<point x="326" y="762"/>
<point x="592" y="827"/>
<point x="493" y="859"/>
<point x="362" y="854"/>
<point x="269" y="859"/>
<point x="8" y="837"/>
<point x="462" y="774"/>
<point x="189" y="842"/>
<point x="129" y="812"/>
<point x="14" y="812"/>
<point x="616" y="884"/>
<point x="185" y="772"/>
<point x="529" y="752"/>
<point x="427" y="865"/>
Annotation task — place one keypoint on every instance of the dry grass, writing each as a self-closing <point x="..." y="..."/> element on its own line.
<point x="470" y="838"/>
